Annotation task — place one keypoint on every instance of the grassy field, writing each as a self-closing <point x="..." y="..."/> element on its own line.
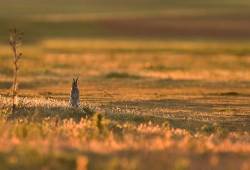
<point x="164" y="85"/>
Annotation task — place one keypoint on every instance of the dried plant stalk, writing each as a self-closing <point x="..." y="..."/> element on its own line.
<point x="15" y="42"/>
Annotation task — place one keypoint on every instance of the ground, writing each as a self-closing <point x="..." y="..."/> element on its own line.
<point x="154" y="94"/>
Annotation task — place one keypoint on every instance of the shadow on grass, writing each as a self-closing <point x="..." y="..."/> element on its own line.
<point x="31" y="84"/>
<point x="121" y="75"/>
<point x="38" y="113"/>
<point x="185" y="114"/>
<point x="169" y="82"/>
<point x="26" y="158"/>
<point x="163" y="160"/>
<point x="190" y="125"/>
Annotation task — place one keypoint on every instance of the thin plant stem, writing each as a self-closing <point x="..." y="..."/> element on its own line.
<point x="15" y="41"/>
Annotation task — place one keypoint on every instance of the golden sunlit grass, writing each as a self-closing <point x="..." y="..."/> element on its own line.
<point x="176" y="60"/>
<point x="154" y="45"/>
<point x="164" y="85"/>
<point x="82" y="143"/>
<point x="174" y="105"/>
<point x="131" y="45"/>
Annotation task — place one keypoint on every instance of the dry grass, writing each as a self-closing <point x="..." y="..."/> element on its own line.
<point x="50" y="140"/>
<point x="178" y="123"/>
<point x="146" y="105"/>
<point x="164" y="85"/>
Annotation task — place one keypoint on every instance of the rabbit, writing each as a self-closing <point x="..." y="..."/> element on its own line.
<point x="74" y="95"/>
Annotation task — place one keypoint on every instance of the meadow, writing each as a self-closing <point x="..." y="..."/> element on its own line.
<point x="164" y="85"/>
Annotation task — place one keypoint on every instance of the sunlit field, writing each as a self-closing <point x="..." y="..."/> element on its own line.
<point x="163" y="85"/>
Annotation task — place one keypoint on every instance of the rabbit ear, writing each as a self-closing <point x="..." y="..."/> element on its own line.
<point x="74" y="81"/>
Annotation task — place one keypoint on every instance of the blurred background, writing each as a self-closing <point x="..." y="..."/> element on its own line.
<point x="130" y="19"/>
<point x="135" y="37"/>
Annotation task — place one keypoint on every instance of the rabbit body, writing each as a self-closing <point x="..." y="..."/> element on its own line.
<point x="74" y="95"/>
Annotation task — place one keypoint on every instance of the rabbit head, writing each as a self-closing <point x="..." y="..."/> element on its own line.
<point x="75" y="83"/>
